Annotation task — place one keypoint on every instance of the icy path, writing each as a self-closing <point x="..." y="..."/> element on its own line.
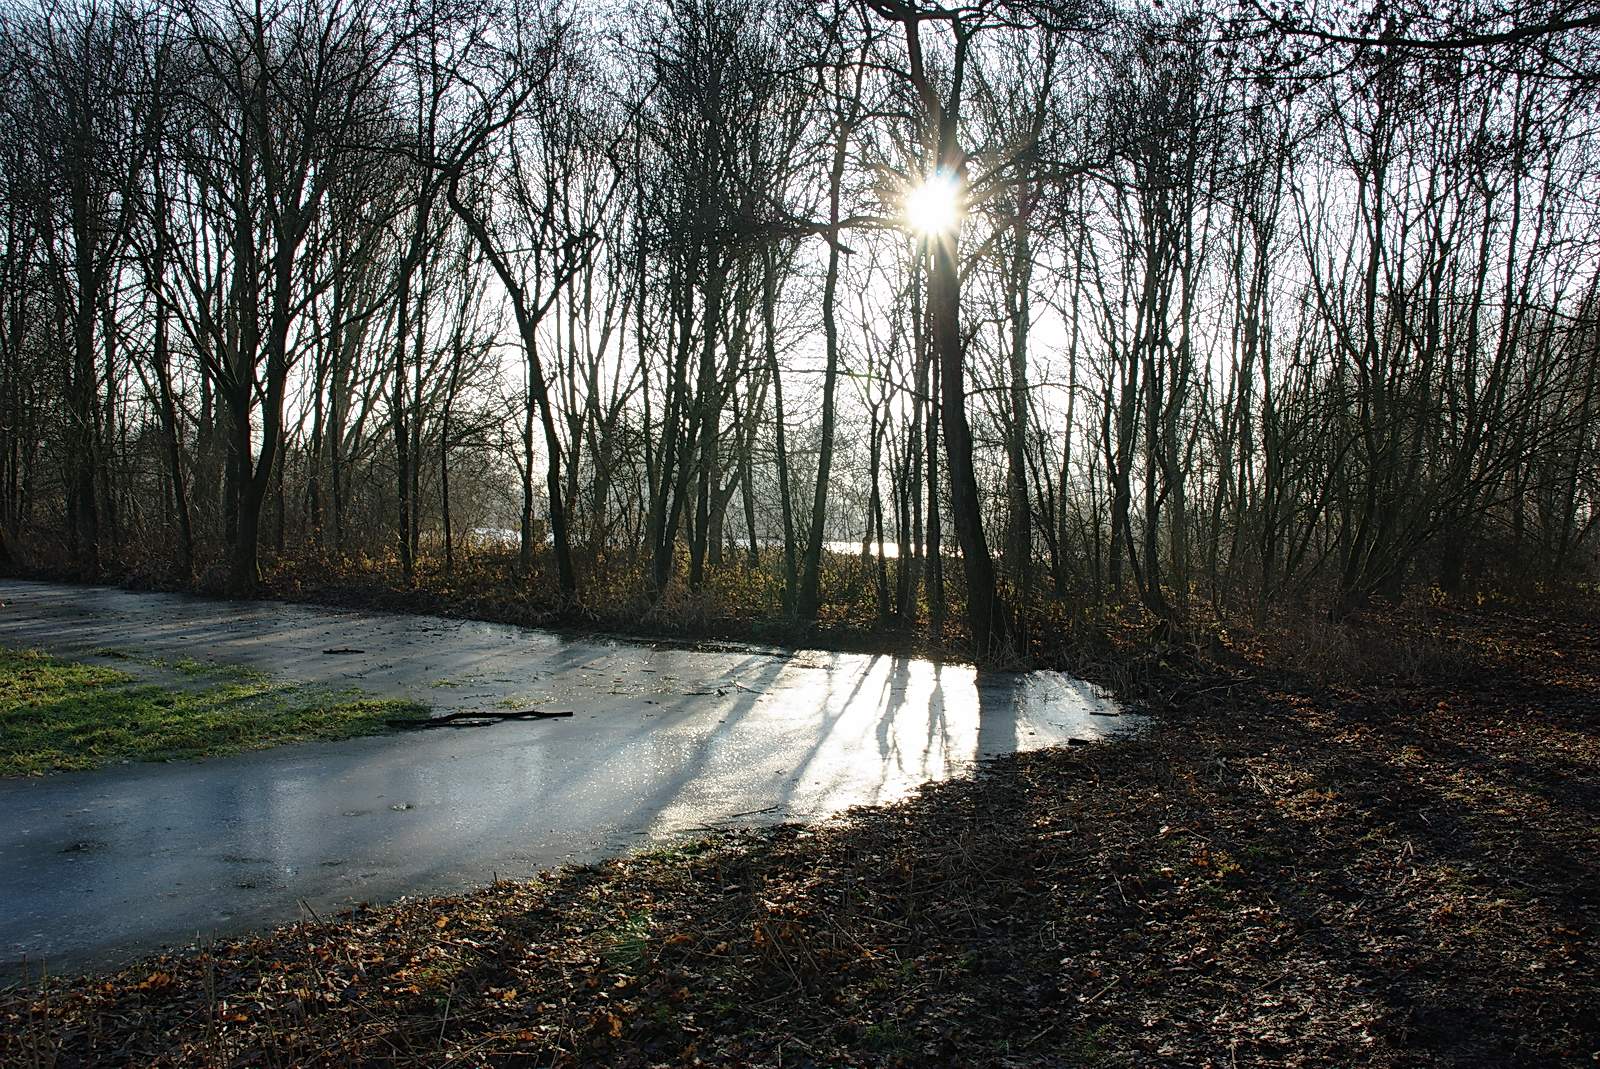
<point x="97" y="868"/>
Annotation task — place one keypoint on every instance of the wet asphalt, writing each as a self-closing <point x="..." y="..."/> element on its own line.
<point x="100" y="868"/>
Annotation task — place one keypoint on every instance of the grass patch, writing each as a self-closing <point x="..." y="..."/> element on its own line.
<point x="187" y="667"/>
<point x="629" y="940"/>
<point x="60" y="716"/>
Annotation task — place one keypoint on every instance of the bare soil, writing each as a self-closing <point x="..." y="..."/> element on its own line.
<point x="1375" y="843"/>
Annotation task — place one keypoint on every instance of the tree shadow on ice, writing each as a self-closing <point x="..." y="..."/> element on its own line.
<point x="1000" y="699"/>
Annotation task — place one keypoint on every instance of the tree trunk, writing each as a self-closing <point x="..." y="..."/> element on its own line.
<point x="987" y="614"/>
<point x="769" y="299"/>
<point x="811" y="577"/>
<point x="1019" y="514"/>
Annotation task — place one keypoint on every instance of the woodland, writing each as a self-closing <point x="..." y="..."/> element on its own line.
<point x="964" y="321"/>
<point x="1257" y="344"/>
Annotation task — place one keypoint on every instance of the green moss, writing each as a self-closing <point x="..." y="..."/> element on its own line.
<point x="629" y="940"/>
<point x="59" y="716"/>
<point x="886" y="1036"/>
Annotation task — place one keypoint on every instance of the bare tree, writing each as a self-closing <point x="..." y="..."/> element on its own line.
<point x="83" y="110"/>
<point x="512" y="193"/>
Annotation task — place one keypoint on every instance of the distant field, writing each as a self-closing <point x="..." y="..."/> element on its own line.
<point x="60" y="716"/>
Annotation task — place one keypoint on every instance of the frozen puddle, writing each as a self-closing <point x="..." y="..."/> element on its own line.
<point x="97" y="868"/>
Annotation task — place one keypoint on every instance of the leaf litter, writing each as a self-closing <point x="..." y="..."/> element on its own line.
<point x="1372" y="870"/>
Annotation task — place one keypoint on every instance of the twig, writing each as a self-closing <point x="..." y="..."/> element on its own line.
<point x="479" y="719"/>
<point x="1115" y="980"/>
<point x="1120" y="892"/>
<point x="1223" y="686"/>
<point x="733" y="816"/>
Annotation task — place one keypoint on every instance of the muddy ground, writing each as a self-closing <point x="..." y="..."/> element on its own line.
<point x="1374" y="847"/>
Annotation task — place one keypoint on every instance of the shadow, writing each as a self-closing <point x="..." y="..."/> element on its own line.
<point x="666" y="743"/>
<point x="1000" y="696"/>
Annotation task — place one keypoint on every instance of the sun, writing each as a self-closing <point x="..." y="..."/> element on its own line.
<point x="935" y="206"/>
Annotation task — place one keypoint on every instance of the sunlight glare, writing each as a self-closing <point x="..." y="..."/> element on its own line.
<point x="933" y="207"/>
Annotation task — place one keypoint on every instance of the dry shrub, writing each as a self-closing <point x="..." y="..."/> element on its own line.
<point x="1409" y="642"/>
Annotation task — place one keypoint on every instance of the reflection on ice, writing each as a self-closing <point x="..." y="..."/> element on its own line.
<point x="839" y="730"/>
<point x="664" y="741"/>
